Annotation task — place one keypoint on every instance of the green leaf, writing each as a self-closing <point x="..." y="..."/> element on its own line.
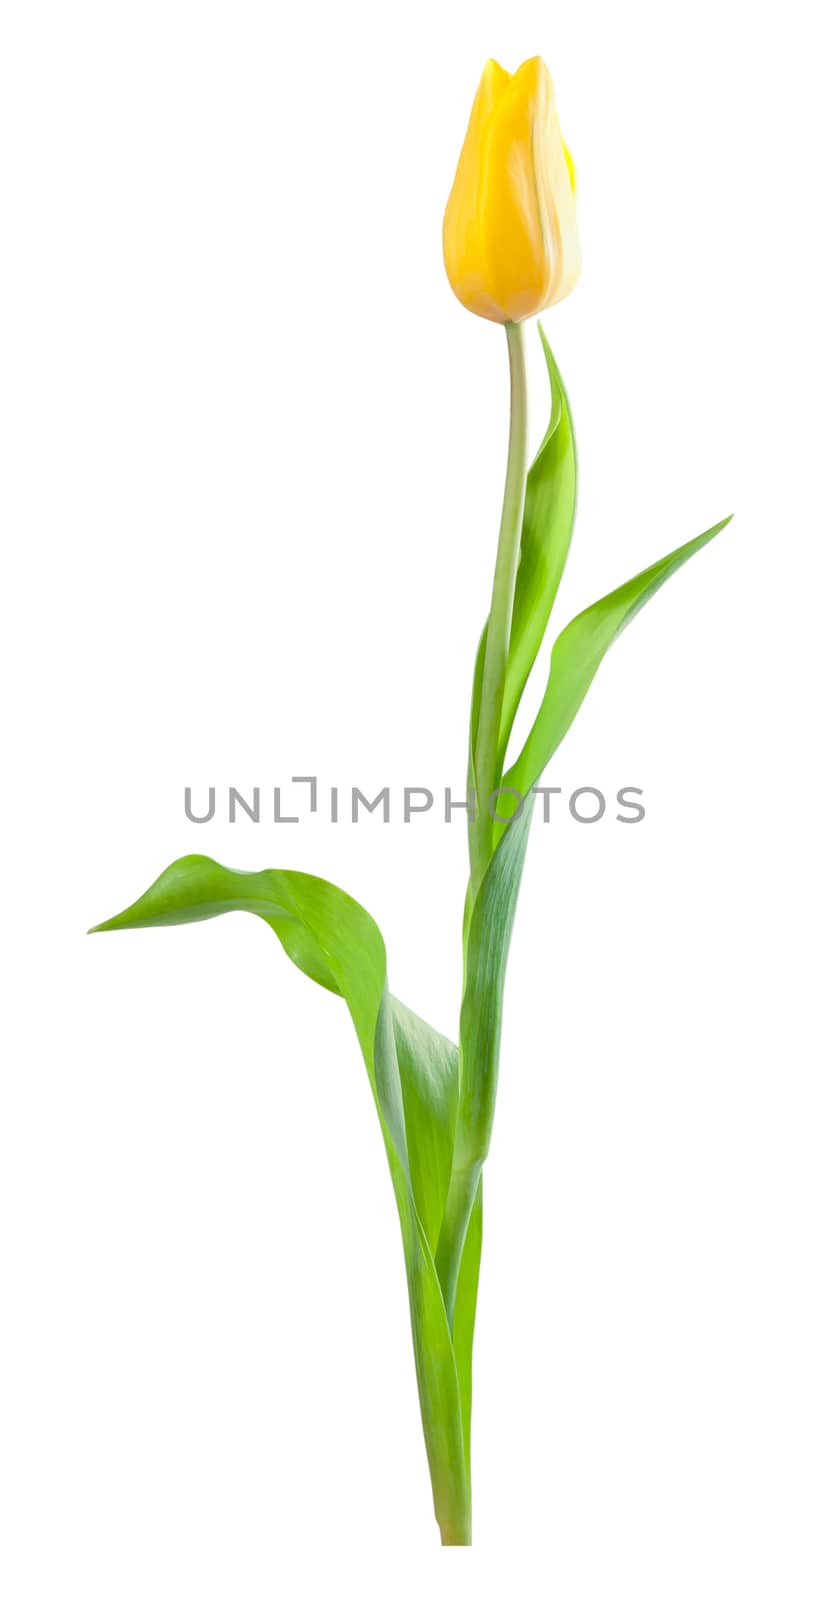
<point x="476" y="695"/>
<point x="464" y="1316"/>
<point x="487" y="942"/>
<point x="412" y="1071"/>
<point x="429" y="1069"/>
<point x="429" y="1072"/>
<point x="480" y="1026"/>
<point x="547" y="528"/>
<point x="577" y="655"/>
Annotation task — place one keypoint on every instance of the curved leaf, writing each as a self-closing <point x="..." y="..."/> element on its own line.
<point x="337" y="944"/>
<point x="547" y="529"/>
<point x="464" y="1315"/>
<point x="429" y="1072"/>
<point x="577" y="655"/>
<point x="488" y="943"/>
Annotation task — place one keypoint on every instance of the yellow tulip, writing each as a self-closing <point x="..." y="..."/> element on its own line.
<point x="510" y="239"/>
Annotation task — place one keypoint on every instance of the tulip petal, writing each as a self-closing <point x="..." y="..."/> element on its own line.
<point x="510" y="221"/>
<point x="462" y="238"/>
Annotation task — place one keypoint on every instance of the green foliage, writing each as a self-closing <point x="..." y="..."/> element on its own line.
<point x="491" y="928"/>
<point x="413" y="1075"/>
<point x="435" y="1103"/>
<point x="579" y="652"/>
<point x="547" y="528"/>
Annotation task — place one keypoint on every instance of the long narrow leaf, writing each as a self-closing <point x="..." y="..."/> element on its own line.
<point x="464" y="1315"/>
<point x="488" y="943"/>
<point x="547" y="529"/>
<point x="578" y="653"/>
<point x="336" y="943"/>
<point x="429" y="1072"/>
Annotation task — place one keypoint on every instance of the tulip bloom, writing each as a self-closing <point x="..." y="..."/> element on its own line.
<point x="510" y="239"/>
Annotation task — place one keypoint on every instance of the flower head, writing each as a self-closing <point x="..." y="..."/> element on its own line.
<point x="510" y="238"/>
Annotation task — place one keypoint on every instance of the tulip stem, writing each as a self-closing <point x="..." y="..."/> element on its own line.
<point x="487" y="762"/>
<point x="488" y="757"/>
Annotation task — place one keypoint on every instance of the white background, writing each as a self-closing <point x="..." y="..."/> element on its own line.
<point x="253" y="453"/>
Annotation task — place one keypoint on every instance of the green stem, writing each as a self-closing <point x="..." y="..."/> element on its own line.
<point x="458" y="1532"/>
<point x="486" y="764"/>
<point x="451" y="1499"/>
<point x="487" y="755"/>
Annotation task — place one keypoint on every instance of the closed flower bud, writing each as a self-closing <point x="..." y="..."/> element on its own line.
<point x="510" y="238"/>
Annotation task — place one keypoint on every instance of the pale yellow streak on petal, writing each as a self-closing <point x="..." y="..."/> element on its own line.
<point x="556" y="183"/>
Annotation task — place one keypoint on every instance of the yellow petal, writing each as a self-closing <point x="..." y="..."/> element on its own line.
<point x="510" y="239"/>
<point x="463" y="244"/>
<point x="556" y="182"/>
